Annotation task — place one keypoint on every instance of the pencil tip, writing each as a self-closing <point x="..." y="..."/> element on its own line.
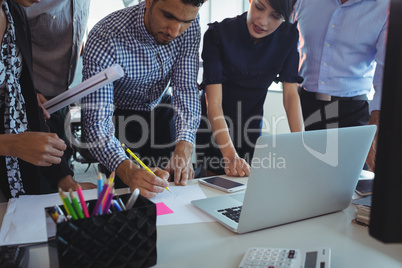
<point x="111" y="177"/>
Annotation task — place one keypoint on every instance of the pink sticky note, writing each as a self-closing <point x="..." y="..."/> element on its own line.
<point x="162" y="209"/>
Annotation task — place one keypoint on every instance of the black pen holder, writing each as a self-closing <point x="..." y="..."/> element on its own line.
<point x="119" y="239"/>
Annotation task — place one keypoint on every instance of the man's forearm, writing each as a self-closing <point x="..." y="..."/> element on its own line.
<point x="375" y="118"/>
<point x="123" y="170"/>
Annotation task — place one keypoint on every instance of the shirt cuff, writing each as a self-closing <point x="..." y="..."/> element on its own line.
<point x="375" y="104"/>
<point x="188" y="136"/>
<point x="115" y="160"/>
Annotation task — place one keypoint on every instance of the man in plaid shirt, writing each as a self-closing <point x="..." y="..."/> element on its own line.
<point x="157" y="44"/>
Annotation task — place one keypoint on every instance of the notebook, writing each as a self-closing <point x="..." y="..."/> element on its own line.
<point x="364" y="187"/>
<point x="296" y="176"/>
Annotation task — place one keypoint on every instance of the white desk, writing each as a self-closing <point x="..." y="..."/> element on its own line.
<point x="212" y="245"/>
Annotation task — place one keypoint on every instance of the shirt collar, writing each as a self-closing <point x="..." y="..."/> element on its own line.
<point x="140" y="23"/>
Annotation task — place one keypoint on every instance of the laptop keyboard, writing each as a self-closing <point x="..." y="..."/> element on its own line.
<point x="232" y="213"/>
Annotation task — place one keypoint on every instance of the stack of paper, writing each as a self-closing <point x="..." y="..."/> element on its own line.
<point x="363" y="205"/>
<point x="362" y="215"/>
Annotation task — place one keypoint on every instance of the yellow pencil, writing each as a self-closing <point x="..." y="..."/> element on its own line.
<point x="67" y="205"/>
<point x="62" y="197"/>
<point x="139" y="161"/>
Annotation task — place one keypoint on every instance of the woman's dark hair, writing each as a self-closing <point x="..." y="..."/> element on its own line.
<point x="283" y="7"/>
<point x="196" y="3"/>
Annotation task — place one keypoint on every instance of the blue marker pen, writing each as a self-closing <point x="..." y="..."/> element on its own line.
<point x="100" y="186"/>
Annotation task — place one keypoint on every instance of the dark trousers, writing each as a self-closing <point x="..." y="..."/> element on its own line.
<point x="318" y="114"/>
<point x="149" y="134"/>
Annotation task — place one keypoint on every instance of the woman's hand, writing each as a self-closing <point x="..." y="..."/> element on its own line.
<point x="236" y="166"/>
<point x="37" y="148"/>
<point x="68" y="183"/>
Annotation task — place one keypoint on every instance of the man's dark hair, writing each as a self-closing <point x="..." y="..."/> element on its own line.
<point x="196" y="3"/>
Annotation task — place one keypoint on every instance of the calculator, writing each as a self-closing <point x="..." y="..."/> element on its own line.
<point x="286" y="257"/>
<point x="14" y="257"/>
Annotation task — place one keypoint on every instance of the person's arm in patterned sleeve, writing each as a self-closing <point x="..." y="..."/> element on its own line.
<point x="187" y="106"/>
<point x="98" y="126"/>
<point x="98" y="106"/>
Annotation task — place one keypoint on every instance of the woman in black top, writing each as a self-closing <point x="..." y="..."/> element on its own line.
<point x="242" y="56"/>
<point x="28" y="153"/>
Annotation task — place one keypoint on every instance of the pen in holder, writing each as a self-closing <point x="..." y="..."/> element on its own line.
<point x="119" y="239"/>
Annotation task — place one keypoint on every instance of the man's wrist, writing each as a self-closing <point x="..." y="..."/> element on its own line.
<point x="123" y="170"/>
<point x="184" y="147"/>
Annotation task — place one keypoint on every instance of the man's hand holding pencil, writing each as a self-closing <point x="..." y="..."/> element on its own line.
<point x="135" y="177"/>
<point x="150" y="181"/>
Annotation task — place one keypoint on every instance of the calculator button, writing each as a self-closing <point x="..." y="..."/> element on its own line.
<point x="291" y="254"/>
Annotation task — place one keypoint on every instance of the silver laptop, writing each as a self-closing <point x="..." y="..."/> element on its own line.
<point x="295" y="176"/>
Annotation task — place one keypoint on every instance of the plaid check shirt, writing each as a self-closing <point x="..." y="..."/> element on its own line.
<point x="121" y="38"/>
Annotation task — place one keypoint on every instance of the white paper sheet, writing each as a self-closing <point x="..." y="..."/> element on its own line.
<point x="179" y="200"/>
<point x="86" y="87"/>
<point x="25" y="221"/>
